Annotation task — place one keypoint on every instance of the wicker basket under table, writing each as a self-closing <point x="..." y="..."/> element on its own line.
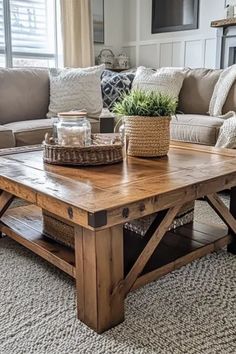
<point x="63" y="232"/>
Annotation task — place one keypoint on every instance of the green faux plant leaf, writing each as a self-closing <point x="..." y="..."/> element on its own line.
<point x="149" y="104"/>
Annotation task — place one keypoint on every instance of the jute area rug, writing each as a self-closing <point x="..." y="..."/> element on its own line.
<point x="192" y="310"/>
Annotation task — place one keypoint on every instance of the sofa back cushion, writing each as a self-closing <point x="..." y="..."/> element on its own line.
<point x="197" y="90"/>
<point x="24" y="94"/>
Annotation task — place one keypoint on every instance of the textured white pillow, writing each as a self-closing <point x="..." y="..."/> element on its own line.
<point x="165" y="80"/>
<point x="76" y="89"/>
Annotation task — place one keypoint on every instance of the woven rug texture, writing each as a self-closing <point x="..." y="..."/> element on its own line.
<point x="190" y="311"/>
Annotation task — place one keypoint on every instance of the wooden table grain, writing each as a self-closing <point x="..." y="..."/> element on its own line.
<point x="107" y="263"/>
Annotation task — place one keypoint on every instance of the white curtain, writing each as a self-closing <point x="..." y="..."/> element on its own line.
<point x="77" y="33"/>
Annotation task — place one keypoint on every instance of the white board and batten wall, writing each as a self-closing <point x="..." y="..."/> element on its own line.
<point x="195" y="48"/>
<point x="113" y="26"/>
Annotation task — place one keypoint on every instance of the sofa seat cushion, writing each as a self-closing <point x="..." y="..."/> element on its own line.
<point x="32" y="132"/>
<point x="7" y="139"/>
<point x="192" y="128"/>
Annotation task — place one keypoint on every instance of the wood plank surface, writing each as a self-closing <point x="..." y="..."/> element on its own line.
<point x="14" y="224"/>
<point x="226" y="22"/>
<point x="99" y="200"/>
<point x="223" y="212"/>
<point x="99" y="270"/>
<point x="177" y="248"/>
<point x="203" y="148"/>
<point x="207" y="228"/>
<point x="5" y="201"/>
<point x="135" y="169"/>
<point x="175" y="245"/>
<point x="232" y="207"/>
<point x="73" y="200"/>
<point x="148" y="250"/>
<point x="176" y="260"/>
<point x="143" y="186"/>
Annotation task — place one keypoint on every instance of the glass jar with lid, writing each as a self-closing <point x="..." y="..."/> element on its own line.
<point x="73" y="129"/>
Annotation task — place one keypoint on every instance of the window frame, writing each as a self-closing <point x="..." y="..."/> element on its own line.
<point x="10" y="54"/>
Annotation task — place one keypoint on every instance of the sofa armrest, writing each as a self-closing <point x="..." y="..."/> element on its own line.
<point x="7" y="139"/>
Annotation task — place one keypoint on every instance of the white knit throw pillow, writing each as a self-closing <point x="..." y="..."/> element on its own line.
<point x="221" y="91"/>
<point x="76" y="89"/>
<point x="165" y="80"/>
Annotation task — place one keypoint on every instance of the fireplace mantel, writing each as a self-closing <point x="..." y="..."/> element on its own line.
<point x="224" y="23"/>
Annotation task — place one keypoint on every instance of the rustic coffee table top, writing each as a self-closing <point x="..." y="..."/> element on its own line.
<point x="107" y="262"/>
<point x="95" y="196"/>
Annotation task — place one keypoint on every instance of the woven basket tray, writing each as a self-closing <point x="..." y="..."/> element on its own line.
<point x="105" y="149"/>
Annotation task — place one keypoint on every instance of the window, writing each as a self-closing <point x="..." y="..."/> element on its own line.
<point x="28" y="35"/>
<point x="2" y="38"/>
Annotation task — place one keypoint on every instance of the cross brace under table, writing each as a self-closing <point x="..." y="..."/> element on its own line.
<point x="99" y="259"/>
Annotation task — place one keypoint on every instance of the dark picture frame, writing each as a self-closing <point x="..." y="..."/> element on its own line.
<point x="162" y="29"/>
<point x="98" y="21"/>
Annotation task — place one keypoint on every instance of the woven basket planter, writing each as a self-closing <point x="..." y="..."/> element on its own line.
<point x="147" y="136"/>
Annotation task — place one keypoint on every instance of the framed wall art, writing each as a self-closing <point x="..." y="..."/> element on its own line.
<point x="98" y="21"/>
<point x="171" y="16"/>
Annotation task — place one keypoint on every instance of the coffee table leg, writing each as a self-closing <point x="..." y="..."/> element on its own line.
<point x="232" y="246"/>
<point x="5" y="201"/>
<point x="99" y="269"/>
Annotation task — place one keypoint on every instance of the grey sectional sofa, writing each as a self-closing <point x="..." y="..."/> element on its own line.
<point x="195" y="125"/>
<point x="24" y="99"/>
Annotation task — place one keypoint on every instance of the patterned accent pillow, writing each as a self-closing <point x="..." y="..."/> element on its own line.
<point x="76" y="89"/>
<point x="114" y="85"/>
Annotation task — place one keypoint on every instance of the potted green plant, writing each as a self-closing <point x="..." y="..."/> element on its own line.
<point x="146" y="117"/>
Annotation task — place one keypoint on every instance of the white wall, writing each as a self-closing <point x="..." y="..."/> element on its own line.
<point x="114" y="32"/>
<point x="195" y="48"/>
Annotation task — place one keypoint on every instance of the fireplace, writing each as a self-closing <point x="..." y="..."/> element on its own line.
<point x="231" y="56"/>
<point x="228" y="47"/>
<point x="226" y="43"/>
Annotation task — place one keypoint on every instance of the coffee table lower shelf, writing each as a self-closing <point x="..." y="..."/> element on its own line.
<point x="179" y="247"/>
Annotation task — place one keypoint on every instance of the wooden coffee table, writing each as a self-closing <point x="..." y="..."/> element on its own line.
<point x="107" y="263"/>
